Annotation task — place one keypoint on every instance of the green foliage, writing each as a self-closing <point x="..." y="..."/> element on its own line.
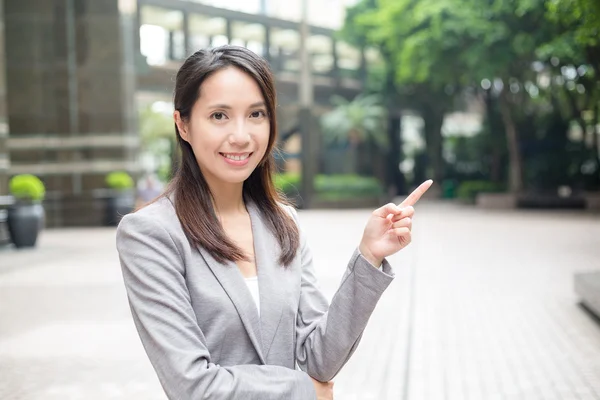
<point x="157" y="134"/>
<point x="287" y="183"/>
<point x="352" y="32"/>
<point x="469" y="157"/>
<point x="357" y="121"/>
<point x="553" y="161"/>
<point x="165" y="172"/>
<point x="445" y="44"/>
<point x="469" y="190"/>
<point x="421" y="37"/>
<point x="155" y="125"/>
<point x="580" y="20"/>
<point x="349" y="185"/>
<point x="543" y="56"/>
<point x="119" y="180"/>
<point x="27" y="187"/>
<point x="331" y="186"/>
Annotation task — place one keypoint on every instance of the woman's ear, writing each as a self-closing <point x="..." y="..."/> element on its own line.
<point x="181" y="126"/>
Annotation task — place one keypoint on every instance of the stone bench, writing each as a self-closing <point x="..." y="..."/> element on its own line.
<point x="533" y="201"/>
<point x="587" y="287"/>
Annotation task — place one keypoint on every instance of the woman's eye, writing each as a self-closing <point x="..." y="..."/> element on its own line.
<point x="218" y="116"/>
<point x="258" y="114"/>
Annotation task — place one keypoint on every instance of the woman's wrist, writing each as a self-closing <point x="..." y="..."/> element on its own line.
<point x="367" y="255"/>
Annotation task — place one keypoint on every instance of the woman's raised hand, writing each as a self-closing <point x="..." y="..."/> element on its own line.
<point x="389" y="228"/>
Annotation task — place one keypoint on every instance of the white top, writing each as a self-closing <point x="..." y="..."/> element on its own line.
<point x="253" y="287"/>
<point x="252" y="284"/>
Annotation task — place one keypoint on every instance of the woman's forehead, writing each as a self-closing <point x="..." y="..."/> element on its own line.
<point x="231" y="86"/>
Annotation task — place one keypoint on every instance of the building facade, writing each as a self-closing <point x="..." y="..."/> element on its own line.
<point x="75" y="72"/>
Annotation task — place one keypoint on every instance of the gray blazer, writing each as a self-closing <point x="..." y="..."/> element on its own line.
<point x="199" y="324"/>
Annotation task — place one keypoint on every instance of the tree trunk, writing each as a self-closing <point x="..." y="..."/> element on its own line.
<point x="365" y="166"/>
<point x="576" y="114"/>
<point x="433" y="120"/>
<point x="595" y="132"/>
<point x="395" y="181"/>
<point x="515" y="178"/>
<point x="493" y="124"/>
<point x="359" y="157"/>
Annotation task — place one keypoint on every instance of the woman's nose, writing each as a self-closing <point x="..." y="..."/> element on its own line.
<point x="240" y="135"/>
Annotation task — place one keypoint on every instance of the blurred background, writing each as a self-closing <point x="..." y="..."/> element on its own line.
<point x="498" y="101"/>
<point x="493" y="97"/>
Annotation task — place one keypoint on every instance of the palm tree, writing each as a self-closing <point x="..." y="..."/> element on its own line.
<point x="360" y="124"/>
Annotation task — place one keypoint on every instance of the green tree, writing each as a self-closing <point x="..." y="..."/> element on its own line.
<point x="513" y="32"/>
<point x="404" y="30"/>
<point x="439" y="47"/>
<point x="381" y="80"/>
<point x="359" y="123"/>
<point x="529" y="62"/>
<point x="576" y="51"/>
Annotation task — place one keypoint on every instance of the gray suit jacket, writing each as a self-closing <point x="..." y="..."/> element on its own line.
<point x="199" y="324"/>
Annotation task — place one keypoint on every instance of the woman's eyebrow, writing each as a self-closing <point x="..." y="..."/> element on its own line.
<point x="228" y="107"/>
<point x="225" y="106"/>
<point x="257" y="104"/>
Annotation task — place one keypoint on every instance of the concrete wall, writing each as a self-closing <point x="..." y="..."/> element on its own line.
<point x="71" y="99"/>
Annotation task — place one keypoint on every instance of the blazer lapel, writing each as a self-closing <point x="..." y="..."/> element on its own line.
<point x="233" y="283"/>
<point x="266" y="253"/>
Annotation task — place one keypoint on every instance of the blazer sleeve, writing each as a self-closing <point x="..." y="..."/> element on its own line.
<point x="153" y="272"/>
<point x="327" y="335"/>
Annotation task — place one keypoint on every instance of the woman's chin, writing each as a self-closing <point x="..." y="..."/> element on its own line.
<point x="235" y="178"/>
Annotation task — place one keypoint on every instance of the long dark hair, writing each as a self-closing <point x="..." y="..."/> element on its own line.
<point x="192" y="196"/>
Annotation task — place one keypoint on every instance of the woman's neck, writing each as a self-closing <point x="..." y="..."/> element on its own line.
<point x="228" y="198"/>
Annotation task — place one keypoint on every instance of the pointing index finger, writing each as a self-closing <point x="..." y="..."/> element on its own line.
<point x="412" y="198"/>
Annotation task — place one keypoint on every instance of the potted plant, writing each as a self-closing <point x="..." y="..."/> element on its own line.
<point x="25" y="217"/>
<point x="121" y="199"/>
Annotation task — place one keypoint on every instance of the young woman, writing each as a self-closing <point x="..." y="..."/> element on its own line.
<point x="219" y="278"/>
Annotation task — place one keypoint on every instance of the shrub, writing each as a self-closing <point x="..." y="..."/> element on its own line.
<point x="287" y="183"/>
<point x="345" y="186"/>
<point x="119" y="180"/>
<point x="468" y="190"/>
<point x="27" y="187"/>
<point x="332" y="186"/>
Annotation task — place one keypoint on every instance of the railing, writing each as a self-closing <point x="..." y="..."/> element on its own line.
<point x="178" y="36"/>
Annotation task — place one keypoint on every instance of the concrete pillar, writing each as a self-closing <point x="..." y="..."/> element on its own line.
<point x="4" y="156"/>
<point x="71" y="98"/>
<point x="305" y="115"/>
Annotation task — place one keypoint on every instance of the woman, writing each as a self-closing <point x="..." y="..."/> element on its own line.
<point x="219" y="277"/>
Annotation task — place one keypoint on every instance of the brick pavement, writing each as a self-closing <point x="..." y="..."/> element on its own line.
<point x="482" y="308"/>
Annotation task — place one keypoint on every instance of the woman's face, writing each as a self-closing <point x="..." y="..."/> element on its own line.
<point x="228" y="128"/>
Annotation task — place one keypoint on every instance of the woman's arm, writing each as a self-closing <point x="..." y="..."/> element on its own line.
<point x="153" y="272"/>
<point x="326" y="336"/>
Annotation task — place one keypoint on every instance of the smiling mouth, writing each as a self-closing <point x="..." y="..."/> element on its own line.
<point x="236" y="157"/>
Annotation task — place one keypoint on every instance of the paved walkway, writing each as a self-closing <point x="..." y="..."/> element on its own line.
<point x="482" y="308"/>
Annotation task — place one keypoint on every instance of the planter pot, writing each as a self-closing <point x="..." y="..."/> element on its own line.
<point x="592" y="201"/>
<point x="25" y="221"/>
<point x="118" y="204"/>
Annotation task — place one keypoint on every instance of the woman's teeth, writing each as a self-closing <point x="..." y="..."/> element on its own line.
<point x="236" y="158"/>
